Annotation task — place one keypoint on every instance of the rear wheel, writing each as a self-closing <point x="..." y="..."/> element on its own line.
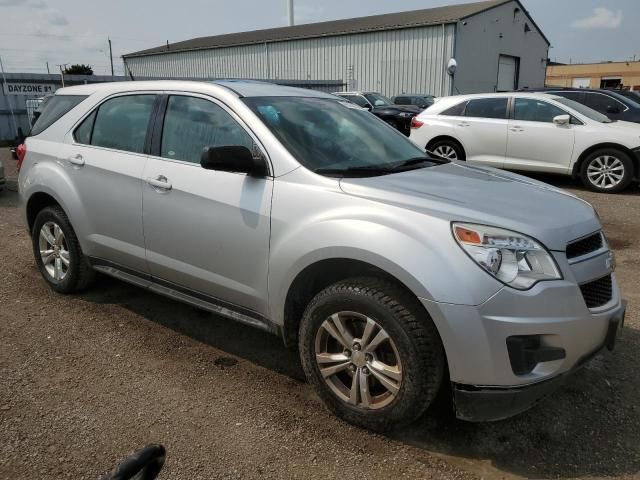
<point x="607" y="170"/>
<point x="371" y="352"/>
<point x="57" y="252"/>
<point x="449" y="149"/>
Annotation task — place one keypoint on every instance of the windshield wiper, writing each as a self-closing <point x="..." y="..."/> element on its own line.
<point x="366" y="169"/>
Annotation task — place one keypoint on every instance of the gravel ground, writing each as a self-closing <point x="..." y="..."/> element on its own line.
<point x="87" y="379"/>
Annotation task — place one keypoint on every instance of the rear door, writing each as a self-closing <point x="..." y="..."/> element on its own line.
<point x="206" y="232"/>
<point x="106" y="164"/>
<point x="534" y="141"/>
<point x="483" y="130"/>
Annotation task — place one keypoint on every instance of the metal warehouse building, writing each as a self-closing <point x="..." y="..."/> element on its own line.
<point x="496" y="44"/>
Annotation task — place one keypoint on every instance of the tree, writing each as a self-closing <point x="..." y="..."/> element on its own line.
<point x="79" y="70"/>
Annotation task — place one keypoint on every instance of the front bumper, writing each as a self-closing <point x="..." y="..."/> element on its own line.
<point x="518" y="345"/>
<point x="477" y="404"/>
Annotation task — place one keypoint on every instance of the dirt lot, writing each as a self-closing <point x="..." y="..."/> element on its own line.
<point x="85" y="380"/>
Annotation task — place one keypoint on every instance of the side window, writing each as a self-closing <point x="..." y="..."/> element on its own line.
<point x="532" y="110"/>
<point x="602" y="103"/>
<point x="82" y="134"/>
<point x="487" y="108"/>
<point x="121" y="123"/>
<point x="456" y="110"/>
<point x="192" y="124"/>
<point x="358" y="100"/>
<point x="575" y="96"/>
<point x="54" y="108"/>
<point x="403" y="101"/>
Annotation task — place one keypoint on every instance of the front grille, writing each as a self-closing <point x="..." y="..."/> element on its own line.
<point x="598" y="292"/>
<point x="584" y="245"/>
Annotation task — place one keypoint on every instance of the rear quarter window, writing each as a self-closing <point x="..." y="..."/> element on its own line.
<point x="53" y="110"/>
<point x="456" y="110"/>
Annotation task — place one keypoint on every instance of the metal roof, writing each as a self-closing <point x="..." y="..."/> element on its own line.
<point x="415" y="18"/>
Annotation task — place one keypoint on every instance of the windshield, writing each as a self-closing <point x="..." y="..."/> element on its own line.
<point x="583" y="109"/>
<point x="378" y="100"/>
<point x="334" y="137"/>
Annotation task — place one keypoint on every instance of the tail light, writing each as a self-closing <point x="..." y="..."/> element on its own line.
<point x="21" y="152"/>
<point x="415" y="123"/>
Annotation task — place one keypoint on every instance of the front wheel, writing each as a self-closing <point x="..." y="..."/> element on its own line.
<point x="607" y="171"/>
<point x="371" y="352"/>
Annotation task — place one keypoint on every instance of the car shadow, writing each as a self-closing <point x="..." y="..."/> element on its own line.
<point x="588" y="428"/>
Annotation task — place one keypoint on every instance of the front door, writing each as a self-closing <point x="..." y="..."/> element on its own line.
<point x="535" y="142"/>
<point x="205" y="231"/>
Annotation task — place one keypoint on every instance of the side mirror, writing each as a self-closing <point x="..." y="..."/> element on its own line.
<point x="613" y="109"/>
<point x="233" y="158"/>
<point x="562" y="119"/>
<point x="368" y="108"/>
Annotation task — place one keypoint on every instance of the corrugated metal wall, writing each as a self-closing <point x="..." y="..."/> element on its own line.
<point x="391" y="62"/>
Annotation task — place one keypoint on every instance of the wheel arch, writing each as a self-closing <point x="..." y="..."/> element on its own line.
<point x="317" y="276"/>
<point x="577" y="166"/>
<point x="36" y="202"/>
<point x="451" y="138"/>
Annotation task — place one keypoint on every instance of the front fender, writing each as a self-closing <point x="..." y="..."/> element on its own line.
<point x="417" y="250"/>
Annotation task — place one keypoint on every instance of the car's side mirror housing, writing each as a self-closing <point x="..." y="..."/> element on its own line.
<point x="368" y="108"/>
<point x="613" y="109"/>
<point x="562" y="119"/>
<point x="234" y="158"/>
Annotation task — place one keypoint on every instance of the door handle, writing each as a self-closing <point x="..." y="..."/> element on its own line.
<point x="160" y="182"/>
<point x="76" y="160"/>
<point x="464" y="124"/>
<point x="517" y="129"/>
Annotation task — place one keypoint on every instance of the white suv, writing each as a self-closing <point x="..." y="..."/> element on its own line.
<point x="535" y="132"/>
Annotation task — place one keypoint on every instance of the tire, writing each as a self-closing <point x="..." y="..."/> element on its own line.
<point x="66" y="269"/>
<point x="607" y="170"/>
<point x="413" y="353"/>
<point x="449" y="149"/>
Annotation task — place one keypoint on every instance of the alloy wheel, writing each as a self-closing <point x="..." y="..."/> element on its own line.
<point x="446" y="151"/>
<point x="605" y="171"/>
<point x="54" y="251"/>
<point x="358" y="360"/>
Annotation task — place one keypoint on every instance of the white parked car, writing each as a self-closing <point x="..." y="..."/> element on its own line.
<point x="534" y="132"/>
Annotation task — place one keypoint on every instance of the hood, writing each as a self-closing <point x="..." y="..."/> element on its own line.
<point x="457" y="192"/>
<point x="631" y="128"/>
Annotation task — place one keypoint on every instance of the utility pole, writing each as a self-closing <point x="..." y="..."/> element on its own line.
<point x="110" y="56"/>
<point x="62" y="72"/>
<point x="48" y="69"/>
<point x="4" y="81"/>
<point x="290" y="12"/>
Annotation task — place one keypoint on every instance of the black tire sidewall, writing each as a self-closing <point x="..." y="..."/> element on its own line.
<point x="56" y="215"/>
<point x="414" y="395"/>
<point x="450" y="143"/>
<point x="620" y="155"/>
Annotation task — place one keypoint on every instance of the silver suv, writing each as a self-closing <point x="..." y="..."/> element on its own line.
<point x="395" y="275"/>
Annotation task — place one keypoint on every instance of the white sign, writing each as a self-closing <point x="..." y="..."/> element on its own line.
<point x="20" y="88"/>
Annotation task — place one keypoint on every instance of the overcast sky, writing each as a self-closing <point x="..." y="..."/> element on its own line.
<point x="33" y="32"/>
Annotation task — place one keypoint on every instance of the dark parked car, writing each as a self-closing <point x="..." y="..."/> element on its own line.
<point x="398" y="116"/>
<point x="417" y="99"/>
<point x="631" y="94"/>
<point x="608" y="102"/>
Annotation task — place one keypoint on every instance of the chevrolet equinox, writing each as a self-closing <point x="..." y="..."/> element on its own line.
<point x="394" y="274"/>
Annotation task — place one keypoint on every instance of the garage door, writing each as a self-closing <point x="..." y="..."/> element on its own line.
<point x="507" y="73"/>
<point x="584" y="82"/>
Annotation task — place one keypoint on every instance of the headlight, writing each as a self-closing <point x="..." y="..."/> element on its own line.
<point x="514" y="259"/>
